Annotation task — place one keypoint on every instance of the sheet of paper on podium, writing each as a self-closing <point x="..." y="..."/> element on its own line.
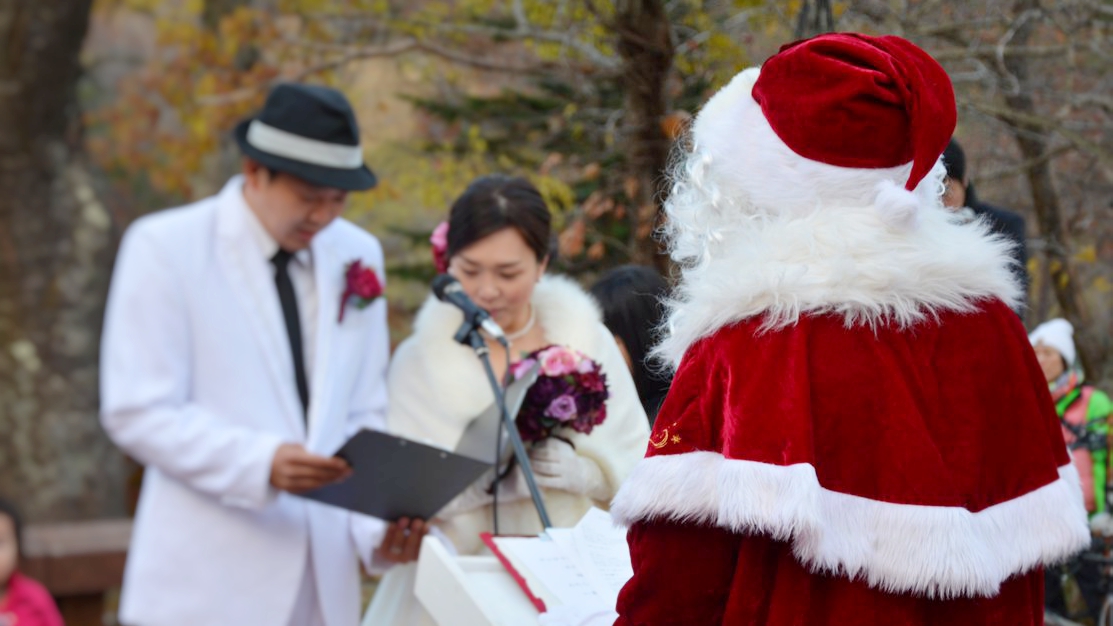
<point x="584" y="566"/>
<point x="599" y="549"/>
<point x="394" y="477"/>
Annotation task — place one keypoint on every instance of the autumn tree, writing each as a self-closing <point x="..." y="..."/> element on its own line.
<point x="56" y="243"/>
<point x="591" y="89"/>
<point x="585" y="96"/>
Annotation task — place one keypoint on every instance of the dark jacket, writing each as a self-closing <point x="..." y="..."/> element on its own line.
<point x="1011" y="225"/>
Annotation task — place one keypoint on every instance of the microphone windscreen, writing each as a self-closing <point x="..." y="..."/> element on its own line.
<point x="441" y="284"/>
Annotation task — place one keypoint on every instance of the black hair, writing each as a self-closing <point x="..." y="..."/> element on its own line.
<point x="954" y="159"/>
<point x="8" y="508"/>
<point x="631" y="297"/>
<point x="492" y="203"/>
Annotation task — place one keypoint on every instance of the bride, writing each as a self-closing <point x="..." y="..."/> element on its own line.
<point x="498" y="248"/>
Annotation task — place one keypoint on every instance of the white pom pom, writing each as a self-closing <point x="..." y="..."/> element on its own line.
<point x="899" y="208"/>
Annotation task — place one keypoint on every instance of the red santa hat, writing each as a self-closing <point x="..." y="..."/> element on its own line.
<point x="858" y="101"/>
<point x="860" y="120"/>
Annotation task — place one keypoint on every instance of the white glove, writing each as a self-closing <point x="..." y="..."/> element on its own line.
<point x="557" y="466"/>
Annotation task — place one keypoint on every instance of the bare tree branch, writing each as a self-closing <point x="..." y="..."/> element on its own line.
<point x="1036" y="52"/>
<point x="1034" y="122"/>
<point x="999" y="50"/>
<point x="567" y="39"/>
<point x="1022" y="167"/>
<point x="401" y="46"/>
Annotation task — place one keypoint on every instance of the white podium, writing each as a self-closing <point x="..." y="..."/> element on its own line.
<point x="469" y="590"/>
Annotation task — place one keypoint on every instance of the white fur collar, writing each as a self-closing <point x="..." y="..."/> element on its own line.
<point x="845" y="262"/>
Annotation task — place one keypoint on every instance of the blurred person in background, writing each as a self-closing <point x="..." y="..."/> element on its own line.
<point x="23" y="601"/>
<point x="959" y="196"/>
<point x="1084" y="413"/>
<point x="632" y="300"/>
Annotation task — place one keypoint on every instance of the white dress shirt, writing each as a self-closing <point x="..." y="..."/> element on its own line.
<point x="306" y="608"/>
<point x="305" y="285"/>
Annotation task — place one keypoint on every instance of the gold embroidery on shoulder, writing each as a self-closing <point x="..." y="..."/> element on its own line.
<point x="663" y="441"/>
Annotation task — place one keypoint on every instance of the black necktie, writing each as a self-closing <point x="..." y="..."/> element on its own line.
<point x="289" y="301"/>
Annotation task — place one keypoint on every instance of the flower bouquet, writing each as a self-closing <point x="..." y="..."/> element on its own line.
<point x="570" y="392"/>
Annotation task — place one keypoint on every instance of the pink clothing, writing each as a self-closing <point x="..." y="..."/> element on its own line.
<point x="1076" y="415"/>
<point x="28" y="603"/>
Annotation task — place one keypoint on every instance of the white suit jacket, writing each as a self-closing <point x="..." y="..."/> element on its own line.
<point x="197" y="383"/>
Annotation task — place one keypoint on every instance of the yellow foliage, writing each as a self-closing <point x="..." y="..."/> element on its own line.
<point x="476" y="142"/>
<point x="168" y="118"/>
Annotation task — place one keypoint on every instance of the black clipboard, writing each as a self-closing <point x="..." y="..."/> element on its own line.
<point x="394" y="477"/>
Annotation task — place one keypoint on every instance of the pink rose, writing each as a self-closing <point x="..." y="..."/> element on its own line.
<point x="585" y="366"/>
<point x="439" y="241"/>
<point x="557" y="362"/>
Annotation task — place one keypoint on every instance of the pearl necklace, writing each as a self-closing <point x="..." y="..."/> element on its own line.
<point x="524" y="330"/>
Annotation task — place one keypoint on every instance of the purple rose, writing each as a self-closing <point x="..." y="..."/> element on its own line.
<point x="563" y="408"/>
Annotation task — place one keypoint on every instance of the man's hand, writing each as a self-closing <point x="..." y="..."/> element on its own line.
<point x="298" y="471"/>
<point x="403" y="540"/>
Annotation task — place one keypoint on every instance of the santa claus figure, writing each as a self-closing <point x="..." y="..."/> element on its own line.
<point x="858" y="431"/>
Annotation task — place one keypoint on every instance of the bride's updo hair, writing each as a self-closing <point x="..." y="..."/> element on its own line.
<point x="492" y="203"/>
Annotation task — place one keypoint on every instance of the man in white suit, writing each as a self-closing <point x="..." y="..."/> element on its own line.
<point x="234" y="361"/>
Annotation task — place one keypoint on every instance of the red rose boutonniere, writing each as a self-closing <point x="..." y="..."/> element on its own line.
<point x="362" y="284"/>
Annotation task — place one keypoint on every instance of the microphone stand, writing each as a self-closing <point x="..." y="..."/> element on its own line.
<point x="468" y="334"/>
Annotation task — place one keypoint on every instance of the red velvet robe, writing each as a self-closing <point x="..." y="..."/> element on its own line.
<point x="819" y="474"/>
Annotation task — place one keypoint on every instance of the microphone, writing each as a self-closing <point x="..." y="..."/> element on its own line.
<point x="448" y="289"/>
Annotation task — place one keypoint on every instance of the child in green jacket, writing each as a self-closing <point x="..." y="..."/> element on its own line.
<point x="1083" y="410"/>
<point x="1084" y="413"/>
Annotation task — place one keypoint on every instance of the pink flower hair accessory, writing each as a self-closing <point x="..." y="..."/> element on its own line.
<point x="439" y="241"/>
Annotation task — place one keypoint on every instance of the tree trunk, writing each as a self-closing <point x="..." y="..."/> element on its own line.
<point x="55" y="252"/>
<point x="1034" y="142"/>
<point x="646" y="48"/>
<point x="814" y="20"/>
